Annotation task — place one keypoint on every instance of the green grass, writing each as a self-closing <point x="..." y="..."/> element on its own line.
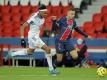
<point x="31" y="73"/>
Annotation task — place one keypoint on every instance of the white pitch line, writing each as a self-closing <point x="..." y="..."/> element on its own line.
<point x="33" y="75"/>
<point x="29" y="75"/>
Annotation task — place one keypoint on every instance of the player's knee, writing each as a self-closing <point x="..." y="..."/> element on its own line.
<point x="74" y="54"/>
<point x="48" y="50"/>
<point x="59" y="59"/>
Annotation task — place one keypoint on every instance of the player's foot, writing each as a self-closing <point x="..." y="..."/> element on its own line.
<point x="54" y="71"/>
<point x="8" y="56"/>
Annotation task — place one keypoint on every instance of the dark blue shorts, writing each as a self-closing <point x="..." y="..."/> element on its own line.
<point x="64" y="46"/>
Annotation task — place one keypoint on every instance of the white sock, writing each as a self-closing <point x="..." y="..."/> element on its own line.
<point x="21" y="52"/>
<point x="49" y="60"/>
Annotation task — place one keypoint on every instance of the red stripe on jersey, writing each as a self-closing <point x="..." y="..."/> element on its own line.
<point x="65" y="34"/>
<point x="67" y="31"/>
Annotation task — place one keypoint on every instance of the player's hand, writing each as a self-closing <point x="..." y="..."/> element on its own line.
<point x="90" y="37"/>
<point x="23" y="42"/>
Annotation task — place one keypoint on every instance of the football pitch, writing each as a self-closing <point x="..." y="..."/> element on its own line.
<point x="41" y="73"/>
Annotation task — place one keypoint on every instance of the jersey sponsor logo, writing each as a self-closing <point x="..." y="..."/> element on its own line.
<point x="67" y="31"/>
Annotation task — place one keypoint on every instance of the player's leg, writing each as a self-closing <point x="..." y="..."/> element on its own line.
<point x="59" y="59"/>
<point x="74" y="54"/>
<point x="82" y="59"/>
<point x="22" y="52"/>
<point x="77" y="59"/>
<point x="19" y="52"/>
<point x="59" y="46"/>
<point x="48" y="54"/>
<point x="70" y="47"/>
<point x="25" y="51"/>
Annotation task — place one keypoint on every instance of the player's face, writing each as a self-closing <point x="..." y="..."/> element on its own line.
<point x="71" y="14"/>
<point x="44" y="13"/>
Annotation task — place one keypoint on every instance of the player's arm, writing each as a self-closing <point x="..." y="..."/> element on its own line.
<point x="81" y="32"/>
<point x="26" y="24"/>
<point x="23" y="42"/>
<point x="55" y="22"/>
<point x="77" y="29"/>
<point x="22" y="29"/>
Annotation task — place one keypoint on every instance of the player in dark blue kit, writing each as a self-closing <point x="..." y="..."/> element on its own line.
<point x="63" y="42"/>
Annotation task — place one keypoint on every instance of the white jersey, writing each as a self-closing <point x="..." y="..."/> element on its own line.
<point x="35" y="23"/>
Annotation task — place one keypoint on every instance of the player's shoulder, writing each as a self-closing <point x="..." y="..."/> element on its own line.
<point x="62" y="18"/>
<point x="31" y="16"/>
<point x="34" y="14"/>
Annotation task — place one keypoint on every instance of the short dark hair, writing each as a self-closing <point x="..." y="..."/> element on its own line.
<point x="41" y="7"/>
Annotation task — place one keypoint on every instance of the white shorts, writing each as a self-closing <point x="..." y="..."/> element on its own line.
<point x="35" y="42"/>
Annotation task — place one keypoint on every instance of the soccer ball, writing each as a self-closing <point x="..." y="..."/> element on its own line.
<point x="101" y="71"/>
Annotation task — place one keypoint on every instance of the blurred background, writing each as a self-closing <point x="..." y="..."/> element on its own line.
<point x="91" y="17"/>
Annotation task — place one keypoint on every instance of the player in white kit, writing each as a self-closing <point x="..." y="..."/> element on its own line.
<point x="35" y="22"/>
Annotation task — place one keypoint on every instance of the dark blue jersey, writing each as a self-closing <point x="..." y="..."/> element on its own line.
<point x="66" y="27"/>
